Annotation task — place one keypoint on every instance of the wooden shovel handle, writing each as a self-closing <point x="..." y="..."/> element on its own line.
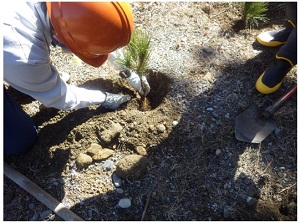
<point x="285" y="97"/>
<point x="40" y="194"/>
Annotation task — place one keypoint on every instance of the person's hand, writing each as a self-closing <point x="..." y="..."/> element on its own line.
<point x="140" y="84"/>
<point x="146" y="85"/>
<point x="113" y="101"/>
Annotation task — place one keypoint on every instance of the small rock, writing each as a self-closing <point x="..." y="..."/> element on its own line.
<point x="108" y="135"/>
<point x="45" y="214"/>
<point x="210" y="109"/>
<point x="124" y="203"/>
<point x="151" y="127"/>
<point x="93" y="149"/>
<point x="179" y="96"/>
<point x="103" y="154"/>
<point x="161" y="128"/>
<point x="208" y="50"/>
<point x="98" y="153"/>
<point x="123" y="113"/>
<point x="174" y="123"/>
<point x="35" y="217"/>
<point x="209" y="77"/>
<point x="277" y="131"/>
<point x="78" y="146"/>
<point x="256" y="51"/>
<point x="83" y="160"/>
<point x="132" y="165"/>
<point x="239" y="164"/>
<point x="141" y="150"/>
<point x="108" y="165"/>
<point x="31" y="206"/>
<point x="117" y="181"/>
<point x="218" y="152"/>
<point x="119" y="190"/>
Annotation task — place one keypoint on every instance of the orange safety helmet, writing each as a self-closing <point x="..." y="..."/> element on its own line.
<point x="92" y="30"/>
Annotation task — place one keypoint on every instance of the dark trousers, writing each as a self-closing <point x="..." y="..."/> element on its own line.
<point x="19" y="131"/>
<point x="289" y="50"/>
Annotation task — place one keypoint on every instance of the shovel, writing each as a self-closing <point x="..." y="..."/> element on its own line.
<point x="254" y="124"/>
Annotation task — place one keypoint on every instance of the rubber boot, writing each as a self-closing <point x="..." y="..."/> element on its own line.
<point x="280" y="37"/>
<point x="286" y="59"/>
<point x="272" y="78"/>
<point x="276" y="37"/>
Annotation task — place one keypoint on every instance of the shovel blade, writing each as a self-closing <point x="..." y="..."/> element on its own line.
<point x="249" y="127"/>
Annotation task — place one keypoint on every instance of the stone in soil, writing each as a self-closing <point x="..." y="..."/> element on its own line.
<point x="132" y="165"/>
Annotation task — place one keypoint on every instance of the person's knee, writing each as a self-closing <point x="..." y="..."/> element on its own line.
<point x="16" y="144"/>
<point x="20" y="133"/>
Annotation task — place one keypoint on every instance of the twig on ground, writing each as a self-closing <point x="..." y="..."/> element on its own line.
<point x="225" y="10"/>
<point x="286" y="188"/>
<point x="146" y="205"/>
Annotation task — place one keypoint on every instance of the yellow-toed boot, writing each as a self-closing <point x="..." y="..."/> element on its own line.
<point x="271" y="79"/>
<point x="276" y="37"/>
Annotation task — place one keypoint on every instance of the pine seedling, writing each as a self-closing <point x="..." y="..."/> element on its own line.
<point x="137" y="53"/>
<point x="254" y="13"/>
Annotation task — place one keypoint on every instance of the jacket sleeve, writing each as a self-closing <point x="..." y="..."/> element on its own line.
<point x="113" y="57"/>
<point x="43" y="83"/>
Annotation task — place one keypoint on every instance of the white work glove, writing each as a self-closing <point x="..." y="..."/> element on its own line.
<point x="136" y="82"/>
<point x="113" y="101"/>
<point x="146" y="85"/>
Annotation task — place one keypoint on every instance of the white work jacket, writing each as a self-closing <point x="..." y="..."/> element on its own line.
<point x="27" y="67"/>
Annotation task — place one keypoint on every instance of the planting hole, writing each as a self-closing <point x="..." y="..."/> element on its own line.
<point x="159" y="83"/>
<point x="160" y="86"/>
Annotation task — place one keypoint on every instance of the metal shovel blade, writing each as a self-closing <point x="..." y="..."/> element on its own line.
<point x="249" y="127"/>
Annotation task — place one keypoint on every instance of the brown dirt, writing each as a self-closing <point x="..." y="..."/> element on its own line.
<point x="202" y="73"/>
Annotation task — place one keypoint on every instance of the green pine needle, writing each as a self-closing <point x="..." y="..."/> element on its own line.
<point x="137" y="52"/>
<point x="254" y="13"/>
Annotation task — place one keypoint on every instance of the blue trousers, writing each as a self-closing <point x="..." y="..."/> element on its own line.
<point x="19" y="131"/>
<point x="289" y="49"/>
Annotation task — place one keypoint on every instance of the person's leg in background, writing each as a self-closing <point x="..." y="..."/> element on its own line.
<point x="286" y="58"/>
<point x="19" y="131"/>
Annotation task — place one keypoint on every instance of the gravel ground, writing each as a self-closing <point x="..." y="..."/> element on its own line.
<point x="178" y="159"/>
